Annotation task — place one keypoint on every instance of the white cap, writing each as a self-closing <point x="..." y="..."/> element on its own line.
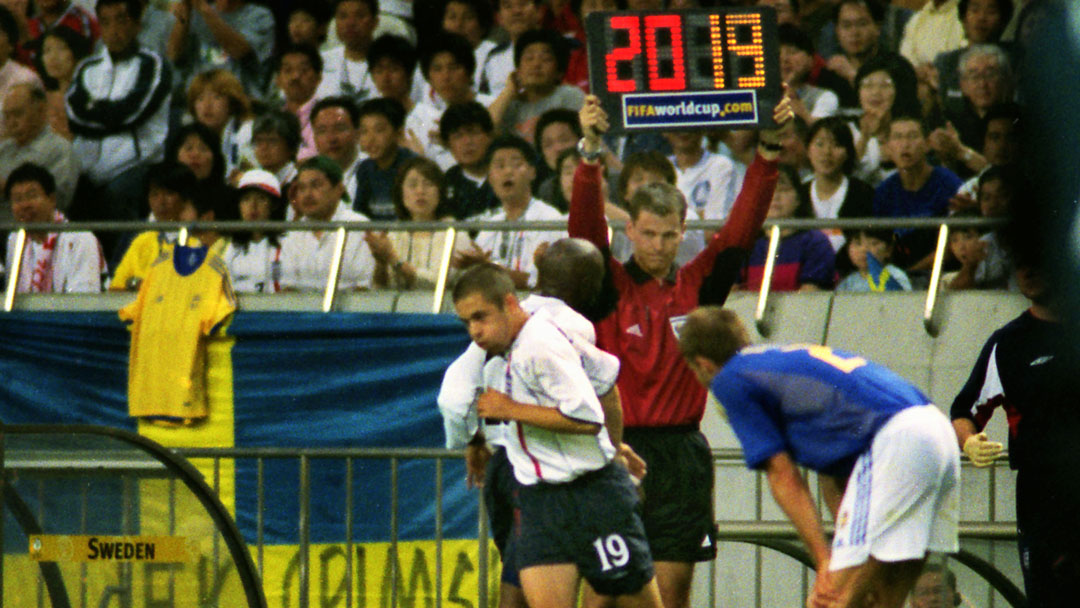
<point x="260" y="179"/>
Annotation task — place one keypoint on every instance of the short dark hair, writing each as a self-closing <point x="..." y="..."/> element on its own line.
<point x="571" y="270"/>
<point x="466" y="114"/>
<point x="714" y="333"/>
<point x="647" y="160"/>
<point x="489" y="280"/>
<point x="555" y="116"/>
<point x="909" y="117"/>
<point x="323" y="164"/>
<point x="512" y="142"/>
<point x="658" y="198"/>
<point x="431" y="172"/>
<point x="485" y="12"/>
<point x="29" y="172"/>
<point x="320" y="10"/>
<point x="337" y="101"/>
<point x="134" y="7"/>
<point x="874" y="7"/>
<point x="1005" y="7"/>
<point x="172" y="176"/>
<point x="394" y="48"/>
<point x="282" y="123"/>
<point x="306" y="50"/>
<point x="79" y="45"/>
<point x="208" y="137"/>
<point x="373" y="5"/>
<point x="841" y="132"/>
<point x="790" y="34"/>
<point x="803" y="206"/>
<point x="903" y="77"/>
<point x="554" y="40"/>
<point x="391" y="109"/>
<point x="456" y="45"/>
<point x="9" y="25"/>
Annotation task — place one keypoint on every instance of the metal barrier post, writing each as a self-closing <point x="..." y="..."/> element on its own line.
<point x="348" y="531"/>
<point x="14" y="270"/>
<point x="444" y="270"/>
<point x="438" y="530"/>
<point x="482" y="555"/>
<point x="305" y="528"/>
<point x="335" y="270"/>
<point x="394" y="560"/>
<point x="766" y="281"/>
<point x="935" y="278"/>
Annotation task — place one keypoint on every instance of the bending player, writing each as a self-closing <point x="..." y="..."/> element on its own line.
<point x="577" y="508"/>
<point x="570" y="271"/>
<point x="843" y="417"/>
<point x="662" y="405"/>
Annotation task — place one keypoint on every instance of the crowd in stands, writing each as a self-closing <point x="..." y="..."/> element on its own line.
<point x="356" y="110"/>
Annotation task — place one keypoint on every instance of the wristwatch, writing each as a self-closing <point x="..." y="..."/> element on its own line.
<point x="591" y="157"/>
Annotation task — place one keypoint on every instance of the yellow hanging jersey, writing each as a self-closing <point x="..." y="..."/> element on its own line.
<point x="185" y="298"/>
<point x="141" y="254"/>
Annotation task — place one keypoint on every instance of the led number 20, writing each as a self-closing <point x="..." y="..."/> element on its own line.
<point x="613" y="552"/>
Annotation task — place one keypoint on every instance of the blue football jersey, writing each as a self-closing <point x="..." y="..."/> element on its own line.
<point x="820" y="405"/>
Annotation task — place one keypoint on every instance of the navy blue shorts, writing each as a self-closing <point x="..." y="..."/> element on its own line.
<point x="500" y="500"/>
<point x="592" y="522"/>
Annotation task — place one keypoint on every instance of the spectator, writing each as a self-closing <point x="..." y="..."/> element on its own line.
<point x="197" y="147"/>
<point x="565" y="166"/>
<point x="413" y="259"/>
<point x="535" y="87"/>
<point x="306" y="255"/>
<point x="986" y="81"/>
<point x="985" y="262"/>
<point x="29" y="139"/>
<point x="793" y="148"/>
<point x="157" y="26"/>
<point x="515" y="17"/>
<point x="381" y="123"/>
<point x="61" y="51"/>
<point x="120" y="120"/>
<point x="860" y="29"/>
<point x="231" y="34"/>
<point x="936" y="588"/>
<point x="276" y="140"/>
<point x="556" y="131"/>
<point x="984" y="21"/>
<point x="869" y="252"/>
<point x="336" y="122"/>
<point x="796" y="63"/>
<point x="298" y="74"/>
<point x="254" y="258"/>
<point x="216" y="100"/>
<point x="392" y="61"/>
<point x="345" y="68"/>
<point x="917" y="189"/>
<point x="448" y="65"/>
<point x="170" y="186"/>
<point x="55" y="14"/>
<point x="307" y="23"/>
<point x="934" y="29"/>
<point x="805" y="260"/>
<point x="1001" y="141"/>
<point x="11" y="71"/>
<point x="706" y="179"/>
<point x="51" y="262"/>
<point x="861" y="35"/>
<point x="886" y="88"/>
<point x="511" y="171"/>
<point x="471" y="19"/>
<point x="833" y="194"/>
<point x="467" y="131"/>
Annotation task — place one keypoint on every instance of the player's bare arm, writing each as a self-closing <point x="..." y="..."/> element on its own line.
<point x="493" y="404"/>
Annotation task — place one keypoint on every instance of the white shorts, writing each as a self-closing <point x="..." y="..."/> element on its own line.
<point x="901" y="500"/>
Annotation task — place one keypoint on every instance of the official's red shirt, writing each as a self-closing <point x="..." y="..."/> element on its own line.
<point x="655" y="384"/>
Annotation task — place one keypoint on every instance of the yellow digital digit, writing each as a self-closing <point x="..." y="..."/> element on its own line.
<point x="717" y="43"/>
<point x="754" y="48"/>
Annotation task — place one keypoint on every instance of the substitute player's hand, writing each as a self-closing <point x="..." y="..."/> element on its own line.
<point x="634" y="464"/>
<point x="981" y="450"/>
<point x="493" y="404"/>
<point x="823" y="595"/>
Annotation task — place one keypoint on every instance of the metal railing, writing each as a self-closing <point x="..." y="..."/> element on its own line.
<point x="450" y="229"/>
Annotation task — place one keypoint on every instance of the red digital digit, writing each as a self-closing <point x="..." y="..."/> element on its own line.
<point x="631" y="24"/>
<point x="752" y="49"/>
<point x="716" y="41"/>
<point x="653" y="55"/>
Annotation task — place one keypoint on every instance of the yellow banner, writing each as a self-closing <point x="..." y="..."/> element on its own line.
<point x="57" y="548"/>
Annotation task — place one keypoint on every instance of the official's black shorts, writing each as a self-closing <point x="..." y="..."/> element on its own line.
<point x="678" y="508"/>
<point x="591" y="522"/>
<point x="500" y="500"/>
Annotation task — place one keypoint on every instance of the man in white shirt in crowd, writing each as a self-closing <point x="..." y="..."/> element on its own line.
<point x="345" y="68"/>
<point x="515" y="17"/>
<point x="306" y="255"/>
<point x="231" y="34"/>
<point x="707" y="180"/>
<point x="335" y="122"/>
<point x="29" y="139"/>
<point x="118" y="109"/>
<point x="50" y="262"/>
<point x="511" y="171"/>
<point x="299" y="69"/>
<point x="11" y="72"/>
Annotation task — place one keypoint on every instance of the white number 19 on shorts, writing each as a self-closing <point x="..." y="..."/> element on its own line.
<point x="613" y="552"/>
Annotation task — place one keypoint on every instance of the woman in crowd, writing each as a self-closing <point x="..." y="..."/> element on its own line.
<point x="407" y="259"/>
<point x="196" y="146"/>
<point x="833" y="193"/>
<point x="61" y="50"/>
<point x="805" y="260"/>
<point x="216" y="100"/>
<point x="254" y="258"/>
<point x="886" y="87"/>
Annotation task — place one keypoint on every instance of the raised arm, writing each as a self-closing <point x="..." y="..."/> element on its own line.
<point x="587" y="200"/>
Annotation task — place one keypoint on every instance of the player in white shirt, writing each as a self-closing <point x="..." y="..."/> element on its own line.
<point x="306" y="255"/>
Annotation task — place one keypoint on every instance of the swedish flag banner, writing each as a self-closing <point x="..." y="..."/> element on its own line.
<point x="298" y="380"/>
